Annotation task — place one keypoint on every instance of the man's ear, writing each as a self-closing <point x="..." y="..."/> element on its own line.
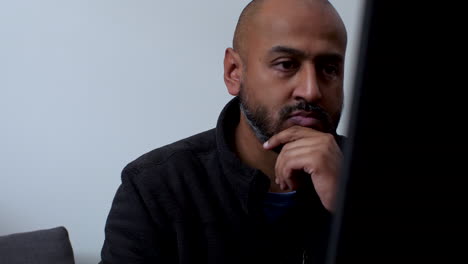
<point x="232" y="71"/>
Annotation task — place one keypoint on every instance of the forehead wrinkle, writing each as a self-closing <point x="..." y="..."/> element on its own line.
<point x="288" y="50"/>
<point x="280" y="49"/>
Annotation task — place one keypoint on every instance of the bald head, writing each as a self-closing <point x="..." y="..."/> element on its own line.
<point x="246" y="24"/>
<point x="245" y="20"/>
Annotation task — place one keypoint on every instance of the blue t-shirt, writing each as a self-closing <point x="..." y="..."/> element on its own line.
<point x="277" y="205"/>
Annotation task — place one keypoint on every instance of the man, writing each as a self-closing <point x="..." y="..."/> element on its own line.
<point x="260" y="187"/>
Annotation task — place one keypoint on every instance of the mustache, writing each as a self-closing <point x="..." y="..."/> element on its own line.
<point x="318" y="111"/>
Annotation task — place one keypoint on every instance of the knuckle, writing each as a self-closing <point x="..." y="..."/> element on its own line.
<point x="329" y="138"/>
<point x="286" y="153"/>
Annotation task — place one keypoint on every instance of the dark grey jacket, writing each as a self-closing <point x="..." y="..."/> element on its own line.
<point x="194" y="201"/>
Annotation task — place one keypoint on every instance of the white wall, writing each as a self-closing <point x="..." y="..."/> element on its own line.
<point x="86" y="86"/>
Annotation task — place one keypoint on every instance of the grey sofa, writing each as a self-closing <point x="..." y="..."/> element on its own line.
<point x="48" y="246"/>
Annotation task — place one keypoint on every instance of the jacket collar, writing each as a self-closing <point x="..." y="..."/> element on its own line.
<point x="247" y="182"/>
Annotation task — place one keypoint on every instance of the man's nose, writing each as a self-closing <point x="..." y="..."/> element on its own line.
<point x="308" y="87"/>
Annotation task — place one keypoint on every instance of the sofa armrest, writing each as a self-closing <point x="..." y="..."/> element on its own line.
<point x="48" y="246"/>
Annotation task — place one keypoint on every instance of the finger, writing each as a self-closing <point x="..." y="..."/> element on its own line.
<point x="324" y="142"/>
<point x="289" y="135"/>
<point x="287" y="180"/>
<point x="290" y="183"/>
<point x="287" y="184"/>
<point x="302" y="145"/>
<point x="287" y="168"/>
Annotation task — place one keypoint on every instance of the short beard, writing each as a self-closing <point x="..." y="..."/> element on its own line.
<point x="257" y="120"/>
<point x="264" y="126"/>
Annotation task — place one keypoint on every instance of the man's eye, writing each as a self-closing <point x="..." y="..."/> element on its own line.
<point x="331" y="69"/>
<point x="287" y="65"/>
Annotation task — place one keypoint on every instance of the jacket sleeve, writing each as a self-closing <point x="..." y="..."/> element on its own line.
<point x="131" y="234"/>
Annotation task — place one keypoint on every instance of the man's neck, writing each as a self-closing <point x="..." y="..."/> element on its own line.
<point x="250" y="151"/>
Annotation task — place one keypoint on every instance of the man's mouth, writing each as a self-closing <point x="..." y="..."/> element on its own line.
<point x="306" y="119"/>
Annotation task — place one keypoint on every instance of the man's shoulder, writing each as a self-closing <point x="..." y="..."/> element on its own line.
<point x="175" y="156"/>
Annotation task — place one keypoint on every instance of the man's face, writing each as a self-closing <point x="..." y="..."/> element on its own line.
<point x="293" y="70"/>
